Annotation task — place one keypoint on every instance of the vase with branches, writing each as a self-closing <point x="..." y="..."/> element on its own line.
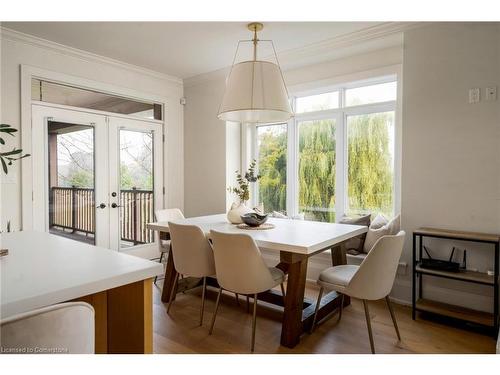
<point x="242" y="191"/>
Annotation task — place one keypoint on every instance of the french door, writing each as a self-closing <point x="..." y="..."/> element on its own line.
<point x="96" y="178"/>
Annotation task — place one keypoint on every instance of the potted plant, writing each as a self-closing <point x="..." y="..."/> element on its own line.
<point x="243" y="193"/>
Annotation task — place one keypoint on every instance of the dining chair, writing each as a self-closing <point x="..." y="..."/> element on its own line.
<point x="371" y="280"/>
<point x="193" y="257"/>
<point x="166" y="215"/>
<point x="63" y="328"/>
<point x="241" y="269"/>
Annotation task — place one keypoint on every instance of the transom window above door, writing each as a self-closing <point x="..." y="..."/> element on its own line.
<point x="337" y="157"/>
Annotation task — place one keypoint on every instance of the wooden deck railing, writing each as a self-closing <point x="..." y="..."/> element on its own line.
<point x="74" y="208"/>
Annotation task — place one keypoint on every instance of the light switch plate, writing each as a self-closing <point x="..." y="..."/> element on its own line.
<point x="491" y="93"/>
<point x="474" y="95"/>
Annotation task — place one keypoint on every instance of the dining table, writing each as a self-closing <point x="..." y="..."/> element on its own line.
<point x="43" y="269"/>
<point x="295" y="241"/>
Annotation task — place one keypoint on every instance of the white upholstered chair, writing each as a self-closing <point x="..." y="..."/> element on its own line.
<point x="163" y="216"/>
<point x="193" y="257"/>
<point x="63" y="328"/>
<point x="241" y="269"/>
<point x="371" y="280"/>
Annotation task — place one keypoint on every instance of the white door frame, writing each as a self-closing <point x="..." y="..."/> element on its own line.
<point x="27" y="74"/>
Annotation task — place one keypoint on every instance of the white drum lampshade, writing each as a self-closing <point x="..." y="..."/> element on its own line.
<point x="255" y="93"/>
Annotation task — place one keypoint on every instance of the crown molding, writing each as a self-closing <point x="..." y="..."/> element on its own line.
<point x="321" y="51"/>
<point x="16" y="36"/>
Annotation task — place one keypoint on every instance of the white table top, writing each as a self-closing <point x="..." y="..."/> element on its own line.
<point x="42" y="269"/>
<point x="295" y="236"/>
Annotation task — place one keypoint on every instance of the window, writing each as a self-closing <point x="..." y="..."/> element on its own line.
<point x="317" y="102"/>
<point x="340" y="149"/>
<point x="370" y="155"/>
<point x="272" y="156"/>
<point x="317" y="169"/>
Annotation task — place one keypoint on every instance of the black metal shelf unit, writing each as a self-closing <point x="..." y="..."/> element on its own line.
<point x="456" y="312"/>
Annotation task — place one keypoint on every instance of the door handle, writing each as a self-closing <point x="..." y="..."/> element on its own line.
<point x="114" y="205"/>
<point x="102" y="205"/>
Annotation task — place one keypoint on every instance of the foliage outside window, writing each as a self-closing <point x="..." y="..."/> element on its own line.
<point x="317" y="170"/>
<point x="367" y="132"/>
<point x="272" y="146"/>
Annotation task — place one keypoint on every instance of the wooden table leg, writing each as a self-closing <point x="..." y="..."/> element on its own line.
<point x="130" y="318"/>
<point x="294" y="301"/>
<point x="169" y="274"/>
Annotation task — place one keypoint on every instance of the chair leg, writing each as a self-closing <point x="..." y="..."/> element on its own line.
<point x="393" y="316"/>
<point x="237" y="298"/>
<point x="161" y="258"/>
<point x="254" y="320"/>
<point x="318" y="302"/>
<point x="215" y="311"/>
<point x="283" y="292"/>
<point x="369" y="325"/>
<point x="203" y="300"/>
<point x="172" y="292"/>
<point x="341" y="308"/>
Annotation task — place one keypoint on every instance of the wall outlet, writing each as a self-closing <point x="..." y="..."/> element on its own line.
<point x="474" y="95"/>
<point x="491" y="94"/>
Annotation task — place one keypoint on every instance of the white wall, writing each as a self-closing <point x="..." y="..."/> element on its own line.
<point x="17" y="50"/>
<point x="204" y="150"/>
<point x="451" y="149"/>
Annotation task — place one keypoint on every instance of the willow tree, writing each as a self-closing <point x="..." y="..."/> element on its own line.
<point x="317" y="169"/>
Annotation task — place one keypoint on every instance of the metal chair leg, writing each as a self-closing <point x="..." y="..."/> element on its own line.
<point x="393" y="316"/>
<point x="203" y="300"/>
<point x="237" y="298"/>
<point x="161" y="258"/>
<point x="318" y="302"/>
<point x="172" y="292"/>
<point x="369" y="325"/>
<point x="254" y="320"/>
<point x="215" y="312"/>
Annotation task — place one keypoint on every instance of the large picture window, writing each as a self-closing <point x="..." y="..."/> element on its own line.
<point x="336" y="157"/>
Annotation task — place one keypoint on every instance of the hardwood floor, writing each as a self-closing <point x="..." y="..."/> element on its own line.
<point x="179" y="332"/>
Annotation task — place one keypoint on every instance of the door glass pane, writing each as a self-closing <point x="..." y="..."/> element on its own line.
<point x="382" y="92"/>
<point x="71" y="181"/>
<point x="272" y="145"/>
<point x="136" y="187"/>
<point x="370" y="141"/>
<point x="317" y="169"/>
<point x="319" y="102"/>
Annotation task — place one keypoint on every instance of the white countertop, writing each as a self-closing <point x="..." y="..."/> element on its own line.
<point x="295" y="236"/>
<point x="43" y="269"/>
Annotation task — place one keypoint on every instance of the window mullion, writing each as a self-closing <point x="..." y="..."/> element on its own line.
<point x="340" y="167"/>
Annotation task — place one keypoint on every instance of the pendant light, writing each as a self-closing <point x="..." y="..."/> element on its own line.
<point x="255" y="89"/>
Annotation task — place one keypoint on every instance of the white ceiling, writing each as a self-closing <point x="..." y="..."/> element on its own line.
<point x="182" y="49"/>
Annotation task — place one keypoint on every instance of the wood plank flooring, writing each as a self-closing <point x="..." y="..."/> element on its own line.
<point x="179" y="332"/>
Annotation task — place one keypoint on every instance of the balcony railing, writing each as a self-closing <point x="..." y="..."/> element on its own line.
<point x="73" y="209"/>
